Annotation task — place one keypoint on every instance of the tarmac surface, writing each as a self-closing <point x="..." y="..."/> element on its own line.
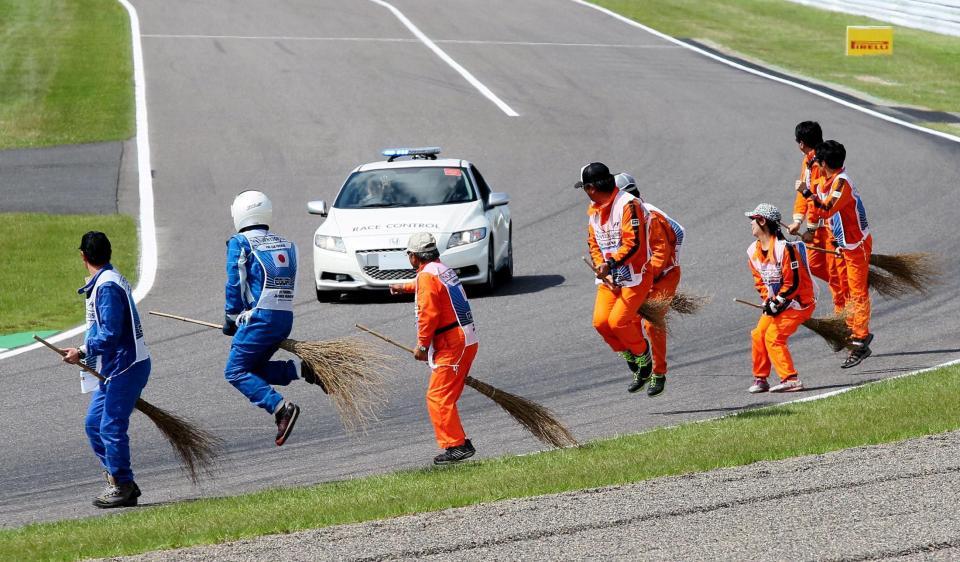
<point x="288" y="96"/>
<point x="868" y="503"/>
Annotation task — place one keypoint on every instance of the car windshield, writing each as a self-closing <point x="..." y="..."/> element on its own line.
<point x="405" y="187"/>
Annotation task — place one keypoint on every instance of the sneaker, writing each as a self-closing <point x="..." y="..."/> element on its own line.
<point x="790" y="384"/>
<point x="759" y="385"/>
<point x="286" y="417"/>
<point x="641" y="366"/>
<point x="122" y="494"/>
<point x="860" y="350"/>
<point x="657" y="385"/>
<point x="307" y="374"/>
<point x="455" y="454"/>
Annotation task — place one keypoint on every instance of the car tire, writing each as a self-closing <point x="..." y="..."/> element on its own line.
<point x="327" y="296"/>
<point x="506" y="272"/>
<point x="490" y="285"/>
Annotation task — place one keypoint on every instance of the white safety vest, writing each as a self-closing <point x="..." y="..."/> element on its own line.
<point x="278" y="259"/>
<point x="772" y="272"/>
<point x="88" y="382"/>
<point x="458" y="300"/>
<point x="608" y="236"/>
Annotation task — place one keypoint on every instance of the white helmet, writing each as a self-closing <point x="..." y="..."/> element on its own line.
<point x="251" y="207"/>
<point x="625" y="182"/>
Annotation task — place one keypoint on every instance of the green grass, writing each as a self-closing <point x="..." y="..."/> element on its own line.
<point x="884" y="412"/>
<point x="924" y="70"/>
<point x="65" y="72"/>
<point x="40" y="283"/>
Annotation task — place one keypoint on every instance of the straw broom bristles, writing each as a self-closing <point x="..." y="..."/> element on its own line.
<point x="687" y="303"/>
<point x="533" y="417"/>
<point x="196" y="448"/>
<point x="833" y="329"/>
<point x="352" y="372"/>
<point x="916" y="271"/>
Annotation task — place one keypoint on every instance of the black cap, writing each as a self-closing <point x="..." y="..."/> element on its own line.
<point x="96" y="247"/>
<point x="596" y="173"/>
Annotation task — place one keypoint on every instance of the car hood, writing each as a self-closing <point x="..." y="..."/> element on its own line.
<point x="390" y="227"/>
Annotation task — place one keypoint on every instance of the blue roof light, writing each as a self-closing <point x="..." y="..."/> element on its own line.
<point x="421" y="151"/>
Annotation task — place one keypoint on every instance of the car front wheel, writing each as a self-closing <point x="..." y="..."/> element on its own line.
<point x="490" y="285"/>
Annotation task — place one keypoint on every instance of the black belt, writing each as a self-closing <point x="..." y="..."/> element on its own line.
<point x="446" y="328"/>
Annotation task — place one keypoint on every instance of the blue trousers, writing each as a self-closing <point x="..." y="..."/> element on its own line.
<point x="250" y="371"/>
<point x="108" y="418"/>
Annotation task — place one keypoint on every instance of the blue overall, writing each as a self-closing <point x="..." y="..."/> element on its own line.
<point x="261" y="277"/>
<point x="111" y="343"/>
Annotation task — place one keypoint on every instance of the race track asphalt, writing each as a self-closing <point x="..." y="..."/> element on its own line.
<point x="288" y="96"/>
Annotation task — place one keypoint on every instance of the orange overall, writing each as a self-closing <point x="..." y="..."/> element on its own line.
<point x="664" y="267"/>
<point x="829" y="267"/>
<point x="844" y="211"/>
<point x="617" y="232"/>
<point x="445" y="326"/>
<point x="780" y="271"/>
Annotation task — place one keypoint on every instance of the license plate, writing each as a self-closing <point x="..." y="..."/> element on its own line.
<point x="393" y="260"/>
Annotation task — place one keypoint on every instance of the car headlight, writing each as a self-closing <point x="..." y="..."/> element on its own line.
<point x="466" y="237"/>
<point x="332" y="243"/>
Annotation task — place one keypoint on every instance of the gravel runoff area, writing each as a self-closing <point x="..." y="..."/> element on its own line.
<point x="894" y="501"/>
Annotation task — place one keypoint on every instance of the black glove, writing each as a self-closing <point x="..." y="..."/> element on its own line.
<point x="776" y="305"/>
<point x="229" y="325"/>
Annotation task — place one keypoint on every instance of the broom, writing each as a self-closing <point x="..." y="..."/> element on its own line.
<point x="351" y="372"/>
<point x="899" y="274"/>
<point x="833" y="329"/>
<point x="653" y="310"/>
<point x="196" y="448"/>
<point x="531" y="416"/>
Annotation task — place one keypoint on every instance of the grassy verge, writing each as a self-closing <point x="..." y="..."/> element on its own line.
<point x="65" y="73"/>
<point x="884" y="412"/>
<point x="924" y="70"/>
<point x="40" y="283"/>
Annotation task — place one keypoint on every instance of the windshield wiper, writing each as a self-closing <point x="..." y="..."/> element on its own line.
<point x="381" y="205"/>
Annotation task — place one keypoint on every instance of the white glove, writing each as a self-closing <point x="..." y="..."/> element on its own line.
<point x="244" y="316"/>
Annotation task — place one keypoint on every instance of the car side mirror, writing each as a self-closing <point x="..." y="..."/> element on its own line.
<point x="317" y="208"/>
<point x="497" y="199"/>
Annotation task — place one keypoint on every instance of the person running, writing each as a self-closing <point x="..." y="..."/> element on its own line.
<point x="664" y="238"/>
<point x="446" y="340"/>
<point x="113" y="346"/>
<point x="617" y="238"/>
<point x="258" y="312"/>
<point x="827" y="266"/>
<point x="846" y="215"/>
<point x="783" y="279"/>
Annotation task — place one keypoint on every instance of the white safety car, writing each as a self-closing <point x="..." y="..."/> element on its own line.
<point x="361" y="244"/>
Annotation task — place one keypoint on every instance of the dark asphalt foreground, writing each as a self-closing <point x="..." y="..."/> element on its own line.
<point x="890" y="502"/>
<point x="288" y="96"/>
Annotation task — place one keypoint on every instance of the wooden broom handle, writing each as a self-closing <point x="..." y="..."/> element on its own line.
<point x="63" y="353"/>
<point x="607" y="282"/>
<point x="385" y="338"/>
<point x="754" y="305"/>
<point x="185" y="319"/>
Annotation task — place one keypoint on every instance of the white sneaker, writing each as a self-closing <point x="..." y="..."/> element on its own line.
<point x="789" y="385"/>
<point x="759" y="385"/>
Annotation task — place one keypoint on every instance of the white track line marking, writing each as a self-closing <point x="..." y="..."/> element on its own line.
<point x="447" y="59"/>
<point x="147" y="230"/>
<point x="755" y="72"/>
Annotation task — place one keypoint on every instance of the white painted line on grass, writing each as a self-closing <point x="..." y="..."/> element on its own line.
<point x="148" y="233"/>
<point x="447" y="59"/>
<point x="762" y="74"/>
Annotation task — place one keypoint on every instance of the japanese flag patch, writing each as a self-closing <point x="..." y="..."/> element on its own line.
<point x="280" y="258"/>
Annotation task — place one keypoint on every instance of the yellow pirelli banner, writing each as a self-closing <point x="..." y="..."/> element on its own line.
<point x="869" y="40"/>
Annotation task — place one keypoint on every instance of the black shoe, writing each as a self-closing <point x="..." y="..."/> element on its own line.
<point x="286" y="417"/>
<point x="124" y="494"/>
<point x="657" y="384"/>
<point x="455" y="454"/>
<point x="307" y="374"/>
<point x="860" y="350"/>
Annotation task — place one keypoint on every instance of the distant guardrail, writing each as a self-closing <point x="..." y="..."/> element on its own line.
<point x="940" y="16"/>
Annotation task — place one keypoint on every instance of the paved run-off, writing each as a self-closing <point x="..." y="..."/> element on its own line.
<point x="886" y="501"/>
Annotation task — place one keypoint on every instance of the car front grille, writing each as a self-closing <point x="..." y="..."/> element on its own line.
<point x="389" y="274"/>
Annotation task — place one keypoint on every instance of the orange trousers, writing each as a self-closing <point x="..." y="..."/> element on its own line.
<point x="858" y="298"/>
<point x="829" y="267"/>
<point x="446" y="384"/>
<point x="770" y="342"/>
<point x="664" y="287"/>
<point x="615" y="317"/>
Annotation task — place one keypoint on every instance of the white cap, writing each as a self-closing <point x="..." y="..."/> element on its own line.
<point x="421" y="242"/>
<point x="251" y="207"/>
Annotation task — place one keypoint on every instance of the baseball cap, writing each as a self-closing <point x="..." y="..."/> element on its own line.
<point x="594" y="172"/>
<point x="421" y="242"/>
<point x="765" y="210"/>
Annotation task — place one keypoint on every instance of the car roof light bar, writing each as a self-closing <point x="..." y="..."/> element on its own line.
<point x="424" y="152"/>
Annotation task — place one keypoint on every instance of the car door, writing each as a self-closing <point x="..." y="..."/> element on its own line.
<point x="498" y="217"/>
